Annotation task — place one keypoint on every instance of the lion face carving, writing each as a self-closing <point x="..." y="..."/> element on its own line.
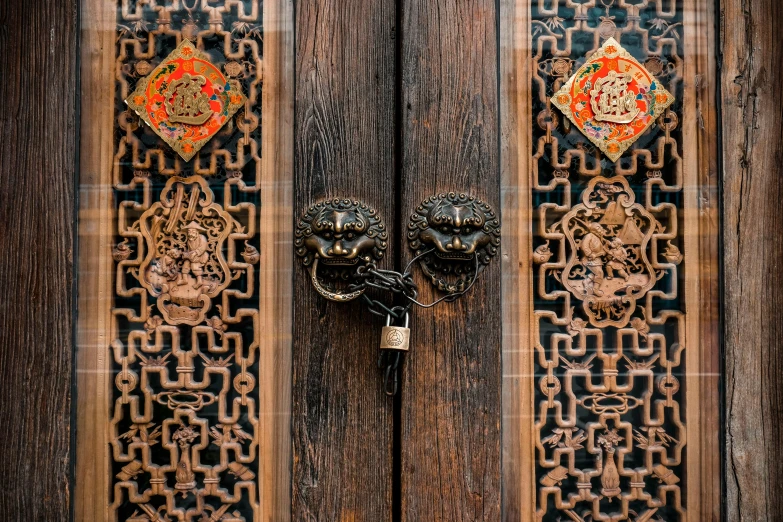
<point x="463" y="235"/>
<point x="339" y="234"/>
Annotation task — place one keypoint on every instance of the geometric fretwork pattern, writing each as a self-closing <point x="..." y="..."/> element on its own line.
<point x="184" y="337"/>
<point x="609" y="328"/>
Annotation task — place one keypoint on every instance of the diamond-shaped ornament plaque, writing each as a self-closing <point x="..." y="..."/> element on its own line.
<point x="612" y="99"/>
<point x="186" y="99"/>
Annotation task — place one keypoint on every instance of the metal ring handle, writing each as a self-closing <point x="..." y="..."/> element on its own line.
<point x="337" y="297"/>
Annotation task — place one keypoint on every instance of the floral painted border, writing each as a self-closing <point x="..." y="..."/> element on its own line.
<point x="613" y="149"/>
<point x="229" y="90"/>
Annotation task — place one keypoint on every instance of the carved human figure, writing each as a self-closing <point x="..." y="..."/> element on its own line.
<point x="618" y="257"/>
<point x="167" y="265"/>
<point x="196" y="254"/>
<point x="592" y="247"/>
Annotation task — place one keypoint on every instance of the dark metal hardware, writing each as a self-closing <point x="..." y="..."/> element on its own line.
<point x="455" y="236"/>
<point x="336" y="237"/>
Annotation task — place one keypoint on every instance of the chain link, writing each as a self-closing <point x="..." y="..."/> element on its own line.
<point x="399" y="284"/>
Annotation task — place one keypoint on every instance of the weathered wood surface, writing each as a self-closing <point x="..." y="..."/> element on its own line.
<point x="96" y="227"/>
<point x="277" y="258"/>
<point x="752" y="111"/>
<point x="38" y="42"/>
<point x="451" y="407"/>
<point x="344" y="146"/>
<point x="701" y="129"/>
<point x="518" y="484"/>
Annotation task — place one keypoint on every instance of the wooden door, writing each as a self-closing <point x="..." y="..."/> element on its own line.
<point x="166" y="356"/>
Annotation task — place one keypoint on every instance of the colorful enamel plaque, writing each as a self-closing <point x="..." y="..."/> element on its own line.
<point x="612" y="99"/>
<point x="186" y="99"/>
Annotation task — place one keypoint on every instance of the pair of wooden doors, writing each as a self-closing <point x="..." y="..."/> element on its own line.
<point x="548" y="391"/>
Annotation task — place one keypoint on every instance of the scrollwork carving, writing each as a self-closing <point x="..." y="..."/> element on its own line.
<point x="608" y="237"/>
<point x="184" y="427"/>
<point x="185" y="234"/>
<point x="609" y="319"/>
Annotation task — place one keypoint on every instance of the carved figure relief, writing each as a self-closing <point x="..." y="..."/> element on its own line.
<point x="609" y="315"/>
<point x="338" y="236"/>
<point x="185" y="233"/>
<point x="608" y="239"/>
<point x="456" y="236"/>
<point x="184" y="427"/>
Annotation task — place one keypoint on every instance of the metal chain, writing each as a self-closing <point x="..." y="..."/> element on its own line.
<point x="400" y="284"/>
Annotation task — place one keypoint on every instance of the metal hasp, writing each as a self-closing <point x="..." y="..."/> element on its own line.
<point x="333" y="239"/>
<point x="454" y="237"/>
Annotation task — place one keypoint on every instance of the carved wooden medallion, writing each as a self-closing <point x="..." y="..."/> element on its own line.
<point x="185" y="234"/>
<point x="608" y="267"/>
<point x="612" y="99"/>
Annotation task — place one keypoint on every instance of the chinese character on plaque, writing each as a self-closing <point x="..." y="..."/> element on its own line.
<point x="186" y="100"/>
<point x="612" y="99"/>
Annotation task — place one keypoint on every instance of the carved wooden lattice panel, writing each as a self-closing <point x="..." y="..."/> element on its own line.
<point x="184" y="429"/>
<point x="609" y="322"/>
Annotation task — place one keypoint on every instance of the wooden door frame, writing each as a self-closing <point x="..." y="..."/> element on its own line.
<point x="38" y="50"/>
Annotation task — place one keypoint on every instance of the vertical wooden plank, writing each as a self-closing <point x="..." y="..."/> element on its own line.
<point x="517" y="284"/>
<point x="751" y="110"/>
<point x="95" y="265"/>
<point x="703" y="76"/>
<point x="37" y="161"/>
<point x="275" y="276"/>
<point x="344" y="145"/>
<point x="451" y="395"/>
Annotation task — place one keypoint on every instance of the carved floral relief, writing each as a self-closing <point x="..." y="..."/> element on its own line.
<point x="184" y="426"/>
<point x="610" y="421"/>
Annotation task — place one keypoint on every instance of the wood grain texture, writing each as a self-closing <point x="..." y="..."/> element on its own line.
<point x="519" y="485"/>
<point x="95" y="265"/>
<point x="344" y="145"/>
<point x="752" y="111"/>
<point x="277" y="263"/>
<point x="451" y="394"/>
<point x="703" y="80"/>
<point x="38" y="42"/>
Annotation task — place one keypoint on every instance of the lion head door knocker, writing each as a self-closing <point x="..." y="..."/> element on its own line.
<point x="185" y="235"/>
<point x="333" y="239"/>
<point x="454" y="236"/>
<point x="610" y="240"/>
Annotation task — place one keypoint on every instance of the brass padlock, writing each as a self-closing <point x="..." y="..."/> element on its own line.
<point x="396" y="337"/>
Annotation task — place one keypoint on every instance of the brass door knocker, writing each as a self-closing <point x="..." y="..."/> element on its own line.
<point x="334" y="238"/>
<point x="454" y="236"/>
